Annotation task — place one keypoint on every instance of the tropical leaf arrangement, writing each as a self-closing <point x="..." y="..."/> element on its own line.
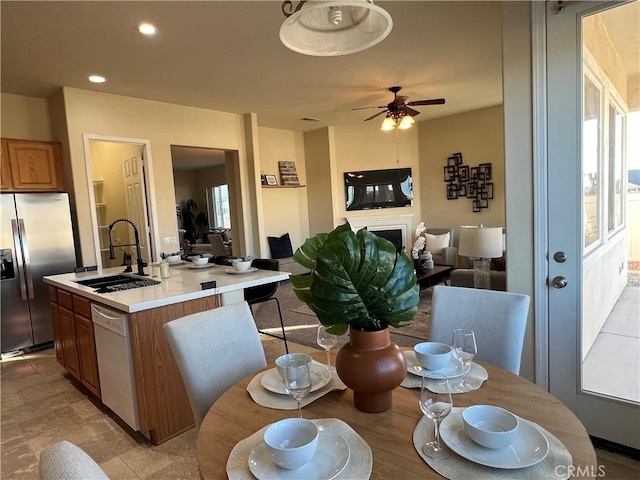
<point x="357" y="280"/>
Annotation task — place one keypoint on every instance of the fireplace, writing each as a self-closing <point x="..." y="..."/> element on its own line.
<point x="384" y="223"/>
<point x="394" y="236"/>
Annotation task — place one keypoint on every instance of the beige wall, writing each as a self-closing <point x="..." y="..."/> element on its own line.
<point x="186" y="187"/>
<point x="478" y="135"/>
<point x="285" y="210"/>
<point x="161" y="123"/>
<point x="366" y="147"/>
<point x="25" y="118"/>
<point x="320" y="160"/>
<point x="518" y="154"/>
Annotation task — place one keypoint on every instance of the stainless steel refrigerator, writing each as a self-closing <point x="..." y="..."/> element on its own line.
<point x="36" y="239"/>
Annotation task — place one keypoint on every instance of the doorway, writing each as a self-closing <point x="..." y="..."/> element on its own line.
<point x="120" y="187"/>
<point x="594" y="342"/>
<point x="205" y="202"/>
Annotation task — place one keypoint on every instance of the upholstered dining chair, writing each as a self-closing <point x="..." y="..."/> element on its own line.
<point x="218" y="247"/>
<point x="214" y="349"/>
<point x="264" y="293"/>
<point x="498" y="320"/>
<point x="66" y="461"/>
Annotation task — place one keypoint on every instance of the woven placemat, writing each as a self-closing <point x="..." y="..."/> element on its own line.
<point x="475" y="377"/>
<point x="358" y="467"/>
<point x="264" y="397"/>
<point x="454" y="467"/>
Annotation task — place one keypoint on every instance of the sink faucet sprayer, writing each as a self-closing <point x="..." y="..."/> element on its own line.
<point x="112" y="255"/>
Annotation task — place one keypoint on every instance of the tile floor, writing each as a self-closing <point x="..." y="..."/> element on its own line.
<point x="617" y="374"/>
<point x="41" y="405"/>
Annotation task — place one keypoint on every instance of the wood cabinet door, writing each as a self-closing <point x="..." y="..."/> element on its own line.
<point x="87" y="354"/>
<point x="35" y="166"/>
<point x="57" y="334"/>
<point x="5" y="173"/>
<point x="68" y="336"/>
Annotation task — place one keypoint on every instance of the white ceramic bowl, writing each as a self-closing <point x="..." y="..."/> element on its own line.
<point x="242" y="266"/>
<point x="489" y="426"/>
<point x="291" y="442"/>
<point x="281" y="361"/>
<point x="173" y="258"/>
<point x="201" y="261"/>
<point x="433" y="355"/>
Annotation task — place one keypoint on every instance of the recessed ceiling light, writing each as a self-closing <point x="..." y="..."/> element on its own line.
<point x="97" y="79"/>
<point x="147" y="29"/>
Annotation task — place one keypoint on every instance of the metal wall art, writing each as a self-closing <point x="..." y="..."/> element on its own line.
<point x="473" y="183"/>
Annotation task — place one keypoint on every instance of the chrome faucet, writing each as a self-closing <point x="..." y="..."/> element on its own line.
<point x="112" y="255"/>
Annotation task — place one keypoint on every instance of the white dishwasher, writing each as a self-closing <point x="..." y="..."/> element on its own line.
<point x="115" y="365"/>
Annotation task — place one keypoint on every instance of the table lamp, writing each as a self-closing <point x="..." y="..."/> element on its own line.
<point x="480" y="245"/>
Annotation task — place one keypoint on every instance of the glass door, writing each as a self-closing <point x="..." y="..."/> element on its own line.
<point x="594" y="299"/>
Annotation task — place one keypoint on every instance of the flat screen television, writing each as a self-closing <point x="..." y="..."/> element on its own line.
<point x="371" y="189"/>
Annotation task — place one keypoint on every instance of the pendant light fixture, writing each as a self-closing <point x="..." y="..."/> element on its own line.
<point x="330" y="28"/>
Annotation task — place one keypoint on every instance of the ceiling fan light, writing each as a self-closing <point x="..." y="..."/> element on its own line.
<point x="388" y="124"/>
<point x="406" y="122"/>
<point x="332" y="28"/>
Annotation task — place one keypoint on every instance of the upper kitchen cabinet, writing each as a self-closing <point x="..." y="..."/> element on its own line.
<point x="31" y="166"/>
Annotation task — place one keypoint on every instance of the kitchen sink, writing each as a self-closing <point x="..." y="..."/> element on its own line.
<point x="115" y="283"/>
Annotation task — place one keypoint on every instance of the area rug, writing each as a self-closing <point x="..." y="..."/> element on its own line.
<point x="301" y="324"/>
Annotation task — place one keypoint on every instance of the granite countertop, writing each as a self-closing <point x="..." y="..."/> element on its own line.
<point x="182" y="285"/>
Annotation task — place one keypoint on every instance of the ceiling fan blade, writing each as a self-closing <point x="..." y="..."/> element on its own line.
<point x="364" y="108"/>
<point x="433" y="101"/>
<point x="374" y="116"/>
<point x="411" y="111"/>
<point x="400" y="99"/>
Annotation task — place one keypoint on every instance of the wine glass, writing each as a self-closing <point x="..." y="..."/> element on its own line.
<point x="297" y="380"/>
<point x="327" y="341"/>
<point x="464" y="349"/>
<point x="436" y="406"/>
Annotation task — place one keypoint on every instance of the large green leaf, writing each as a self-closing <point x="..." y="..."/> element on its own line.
<point x="357" y="280"/>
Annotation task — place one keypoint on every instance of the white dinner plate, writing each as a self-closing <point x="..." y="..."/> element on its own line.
<point x="206" y="265"/>
<point x="320" y="376"/>
<point x="330" y="459"/>
<point x="233" y="271"/>
<point x="530" y="446"/>
<point x="453" y="370"/>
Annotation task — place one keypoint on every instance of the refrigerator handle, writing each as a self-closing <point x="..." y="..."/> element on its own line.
<point x="27" y="258"/>
<point x="19" y="259"/>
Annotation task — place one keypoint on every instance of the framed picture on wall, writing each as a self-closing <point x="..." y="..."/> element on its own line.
<point x="271" y="179"/>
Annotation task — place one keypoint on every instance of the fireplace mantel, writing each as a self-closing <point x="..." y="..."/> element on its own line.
<point x="403" y="222"/>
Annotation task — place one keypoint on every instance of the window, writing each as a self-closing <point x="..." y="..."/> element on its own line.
<point x="591" y="161"/>
<point x="218" y="205"/>
<point x="616" y="173"/>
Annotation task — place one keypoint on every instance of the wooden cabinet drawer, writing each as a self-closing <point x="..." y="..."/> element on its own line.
<point x="65" y="299"/>
<point x="82" y="306"/>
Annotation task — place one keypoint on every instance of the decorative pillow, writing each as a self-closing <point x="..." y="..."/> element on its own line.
<point x="435" y="243"/>
<point x="280" y="246"/>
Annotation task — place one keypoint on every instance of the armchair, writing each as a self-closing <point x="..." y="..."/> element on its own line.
<point x="440" y="244"/>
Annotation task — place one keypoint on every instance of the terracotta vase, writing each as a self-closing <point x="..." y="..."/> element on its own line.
<point x="372" y="366"/>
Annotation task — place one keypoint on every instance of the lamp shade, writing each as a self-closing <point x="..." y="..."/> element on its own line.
<point x="331" y="28"/>
<point x="480" y="242"/>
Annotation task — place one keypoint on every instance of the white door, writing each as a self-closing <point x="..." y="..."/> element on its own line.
<point x="135" y="195"/>
<point x="588" y="232"/>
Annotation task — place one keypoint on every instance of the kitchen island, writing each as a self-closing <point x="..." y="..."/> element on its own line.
<point x="162" y="402"/>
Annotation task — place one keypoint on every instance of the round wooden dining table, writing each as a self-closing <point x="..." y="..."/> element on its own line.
<point x="235" y="416"/>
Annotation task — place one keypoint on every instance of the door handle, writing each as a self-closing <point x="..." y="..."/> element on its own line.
<point x="559" y="282"/>
<point x="27" y="259"/>
<point x="17" y="245"/>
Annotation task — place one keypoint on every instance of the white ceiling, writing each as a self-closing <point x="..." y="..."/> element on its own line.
<point x="226" y="56"/>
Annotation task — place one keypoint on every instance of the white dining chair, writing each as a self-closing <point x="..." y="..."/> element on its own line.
<point x="66" y="461"/>
<point x="214" y="349"/>
<point x="498" y="319"/>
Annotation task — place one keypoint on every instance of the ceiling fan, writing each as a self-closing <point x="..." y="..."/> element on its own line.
<point x="399" y="107"/>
